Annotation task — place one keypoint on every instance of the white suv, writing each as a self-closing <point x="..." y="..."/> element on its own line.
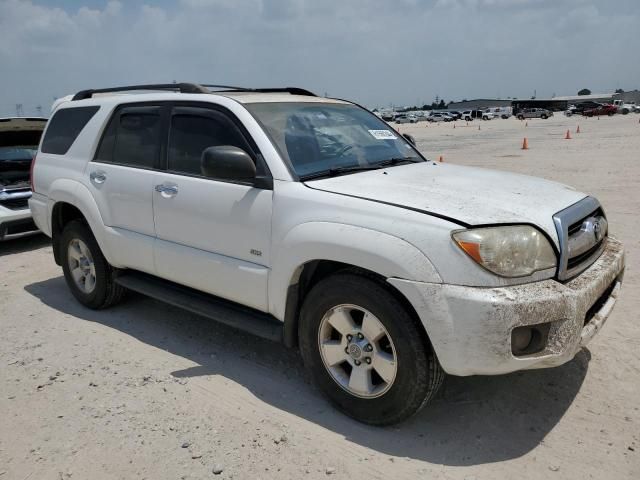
<point x="311" y="221"/>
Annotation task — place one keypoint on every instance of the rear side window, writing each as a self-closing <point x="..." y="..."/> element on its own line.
<point x="64" y="127"/>
<point x="132" y="138"/>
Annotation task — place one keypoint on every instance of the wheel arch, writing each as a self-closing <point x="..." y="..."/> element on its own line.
<point x="311" y="273"/>
<point x="314" y="250"/>
<point x="75" y="202"/>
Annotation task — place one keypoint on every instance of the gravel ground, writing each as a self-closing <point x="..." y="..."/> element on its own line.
<point x="145" y="390"/>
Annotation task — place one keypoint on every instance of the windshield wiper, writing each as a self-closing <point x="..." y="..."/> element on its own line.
<point x="335" y="171"/>
<point x="397" y="161"/>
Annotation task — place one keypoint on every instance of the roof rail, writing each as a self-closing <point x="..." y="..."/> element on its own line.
<point x="291" y="90"/>
<point x="190" y="88"/>
<point x="180" y="87"/>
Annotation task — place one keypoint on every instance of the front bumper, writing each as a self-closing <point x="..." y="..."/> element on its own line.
<point x="470" y="327"/>
<point x="15" y="223"/>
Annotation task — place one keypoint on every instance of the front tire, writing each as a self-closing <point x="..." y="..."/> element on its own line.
<point x="365" y="351"/>
<point x="88" y="274"/>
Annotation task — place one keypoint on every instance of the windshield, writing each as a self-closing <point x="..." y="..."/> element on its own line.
<point x="19" y="153"/>
<point x="325" y="137"/>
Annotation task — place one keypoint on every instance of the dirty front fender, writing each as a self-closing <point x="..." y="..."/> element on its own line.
<point x="378" y="252"/>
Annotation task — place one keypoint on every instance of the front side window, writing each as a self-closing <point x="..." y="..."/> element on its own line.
<point x="193" y="130"/>
<point x="132" y="138"/>
<point x="326" y="137"/>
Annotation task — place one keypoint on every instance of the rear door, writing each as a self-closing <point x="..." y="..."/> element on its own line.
<point x="212" y="234"/>
<point x="121" y="179"/>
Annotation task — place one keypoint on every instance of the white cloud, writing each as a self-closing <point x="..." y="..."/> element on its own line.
<point x="373" y="51"/>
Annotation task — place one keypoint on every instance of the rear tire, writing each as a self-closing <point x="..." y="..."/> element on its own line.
<point x="403" y="371"/>
<point x="88" y="274"/>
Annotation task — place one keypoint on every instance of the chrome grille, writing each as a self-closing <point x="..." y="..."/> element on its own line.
<point x="17" y="199"/>
<point x="582" y="230"/>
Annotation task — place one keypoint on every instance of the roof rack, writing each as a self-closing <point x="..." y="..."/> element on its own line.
<point x="180" y="87"/>
<point x="190" y="88"/>
<point x="291" y="90"/>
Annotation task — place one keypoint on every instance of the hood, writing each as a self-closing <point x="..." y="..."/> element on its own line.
<point x="470" y="196"/>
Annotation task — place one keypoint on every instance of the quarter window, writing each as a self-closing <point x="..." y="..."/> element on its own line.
<point x="64" y="128"/>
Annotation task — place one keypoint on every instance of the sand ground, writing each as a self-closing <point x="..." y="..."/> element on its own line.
<point x="145" y="390"/>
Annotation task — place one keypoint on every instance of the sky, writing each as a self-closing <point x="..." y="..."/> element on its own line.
<point x="375" y="52"/>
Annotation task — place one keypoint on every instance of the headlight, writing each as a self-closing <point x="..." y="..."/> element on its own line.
<point x="509" y="251"/>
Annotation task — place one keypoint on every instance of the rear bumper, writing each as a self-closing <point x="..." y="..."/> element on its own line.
<point x="39" y="205"/>
<point x="470" y="328"/>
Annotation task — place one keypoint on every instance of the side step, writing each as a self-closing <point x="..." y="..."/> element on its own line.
<point x="232" y="314"/>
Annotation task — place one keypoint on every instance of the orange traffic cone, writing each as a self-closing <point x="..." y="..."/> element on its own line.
<point x="525" y="144"/>
<point x="440" y="158"/>
<point x="578" y="129"/>
<point x="568" y="135"/>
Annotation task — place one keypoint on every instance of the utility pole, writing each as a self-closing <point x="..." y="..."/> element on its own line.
<point x="18" y="109"/>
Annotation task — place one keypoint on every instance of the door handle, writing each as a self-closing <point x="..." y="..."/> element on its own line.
<point x="98" y="177"/>
<point x="167" y="191"/>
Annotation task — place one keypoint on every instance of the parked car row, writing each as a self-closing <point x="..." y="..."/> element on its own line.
<point x="444" y="115"/>
<point x="590" y="109"/>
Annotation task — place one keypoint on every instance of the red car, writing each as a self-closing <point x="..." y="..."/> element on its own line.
<point x="604" y="109"/>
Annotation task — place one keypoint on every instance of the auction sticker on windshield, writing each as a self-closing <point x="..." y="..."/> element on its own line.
<point x="382" y="134"/>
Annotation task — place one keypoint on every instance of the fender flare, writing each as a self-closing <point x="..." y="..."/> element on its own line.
<point x="78" y="195"/>
<point x="371" y="250"/>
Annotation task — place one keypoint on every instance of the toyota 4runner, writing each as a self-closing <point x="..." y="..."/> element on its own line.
<point x="310" y="221"/>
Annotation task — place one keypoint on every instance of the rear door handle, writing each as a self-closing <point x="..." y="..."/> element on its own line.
<point x="98" y="177"/>
<point x="166" y="190"/>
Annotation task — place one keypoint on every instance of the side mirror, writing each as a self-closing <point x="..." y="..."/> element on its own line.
<point x="410" y="139"/>
<point x="227" y="163"/>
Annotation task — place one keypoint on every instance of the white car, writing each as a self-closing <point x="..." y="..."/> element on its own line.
<point x="439" y="117"/>
<point x="310" y="221"/>
<point x="406" y="118"/>
<point x="19" y="138"/>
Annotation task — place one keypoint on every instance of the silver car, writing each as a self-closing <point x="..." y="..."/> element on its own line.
<point x="534" y="113"/>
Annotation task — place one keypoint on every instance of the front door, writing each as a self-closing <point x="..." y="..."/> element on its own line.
<point x="212" y="235"/>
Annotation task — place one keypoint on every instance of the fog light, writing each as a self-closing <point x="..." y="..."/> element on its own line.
<point x="521" y="338"/>
<point x="530" y="339"/>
